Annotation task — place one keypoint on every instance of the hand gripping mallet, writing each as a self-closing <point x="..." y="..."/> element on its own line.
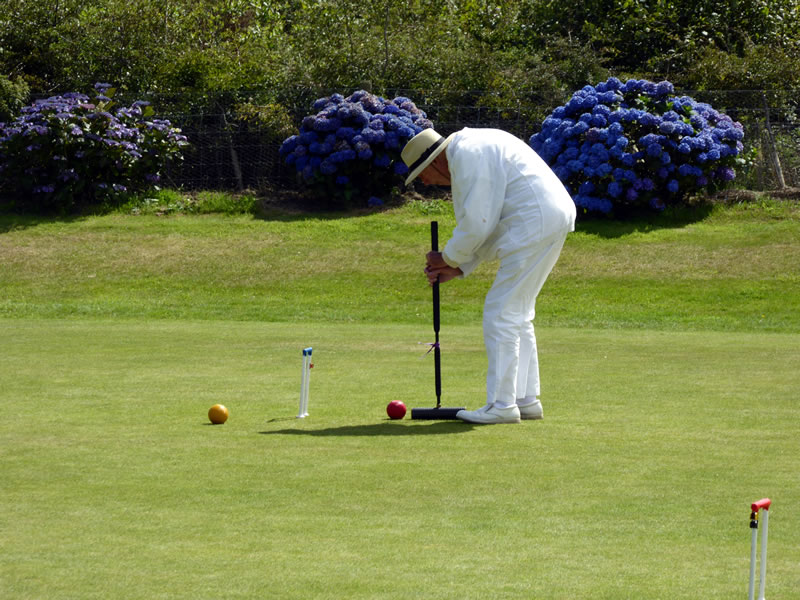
<point x="439" y="412"/>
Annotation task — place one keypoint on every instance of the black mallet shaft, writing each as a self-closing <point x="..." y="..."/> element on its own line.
<point x="437" y="413"/>
<point x="437" y="353"/>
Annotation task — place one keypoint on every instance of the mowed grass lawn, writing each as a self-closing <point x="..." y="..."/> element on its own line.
<point x="669" y="356"/>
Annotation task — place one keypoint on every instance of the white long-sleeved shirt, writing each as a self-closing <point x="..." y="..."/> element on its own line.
<point x="505" y="198"/>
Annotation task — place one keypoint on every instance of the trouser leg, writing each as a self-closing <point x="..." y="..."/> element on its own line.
<point x="507" y="324"/>
<point x="528" y="370"/>
<point x="501" y="337"/>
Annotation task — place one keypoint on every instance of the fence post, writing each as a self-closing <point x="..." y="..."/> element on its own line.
<point x="237" y="170"/>
<point x="773" y="151"/>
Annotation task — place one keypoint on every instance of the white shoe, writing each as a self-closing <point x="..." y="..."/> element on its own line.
<point x="532" y="411"/>
<point x="490" y="415"/>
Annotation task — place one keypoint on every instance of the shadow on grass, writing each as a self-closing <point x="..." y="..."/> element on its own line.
<point x="644" y="221"/>
<point x="377" y="429"/>
<point x="13" y="222"/>
<point x="260" y="211"/>
<point x="292" y="206"/>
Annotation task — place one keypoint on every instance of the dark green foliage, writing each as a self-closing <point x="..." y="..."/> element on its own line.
<point x="638" y="36"/>
<point x="13" y="95"/>
<point x="757" y="67"/>
<point x="257" y="65"/>
<point x="218" y="53"/>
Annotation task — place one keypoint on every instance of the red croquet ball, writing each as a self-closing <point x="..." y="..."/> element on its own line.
<point x="396" y="409"/>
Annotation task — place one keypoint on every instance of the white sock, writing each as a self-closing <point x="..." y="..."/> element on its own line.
<point x="527" y="401"/>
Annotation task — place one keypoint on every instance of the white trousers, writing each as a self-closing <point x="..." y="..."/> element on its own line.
<point x="508" y="322"/>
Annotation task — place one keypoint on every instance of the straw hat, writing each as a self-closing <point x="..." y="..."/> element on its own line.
<point x="420" y="151"/>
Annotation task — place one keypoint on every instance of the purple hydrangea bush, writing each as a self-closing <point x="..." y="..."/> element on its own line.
<point x="350" y="148"/>
<point x="67" y="152"/>
<point x="618" y="146"/>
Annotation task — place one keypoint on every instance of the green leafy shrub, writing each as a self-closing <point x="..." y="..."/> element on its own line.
<point x="271" y="118"/>
<point x="13" y="96"/>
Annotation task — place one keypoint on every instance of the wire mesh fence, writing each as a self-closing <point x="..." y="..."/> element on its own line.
<point x="234" y="154"/>
<point x="228" y="156"/>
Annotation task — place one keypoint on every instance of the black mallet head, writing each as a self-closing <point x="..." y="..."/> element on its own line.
<point x="435" y="414"/>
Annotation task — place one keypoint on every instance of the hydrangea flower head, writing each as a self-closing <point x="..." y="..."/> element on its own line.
<point x="637" y="144"/>
<point x="69" y="151"/>
<point x="368" y="132"/>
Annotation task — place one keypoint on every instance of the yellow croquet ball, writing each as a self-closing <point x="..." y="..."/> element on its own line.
<point x="218" y="414"/>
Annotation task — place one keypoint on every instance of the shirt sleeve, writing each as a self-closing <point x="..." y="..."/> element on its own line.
<point x="468" y="267"/>
<point x="478" y="187"/>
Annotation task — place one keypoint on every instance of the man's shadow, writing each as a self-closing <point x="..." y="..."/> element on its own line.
<point x="380" y="429"/>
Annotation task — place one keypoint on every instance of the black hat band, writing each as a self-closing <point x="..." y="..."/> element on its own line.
<point x="425" y="155"/>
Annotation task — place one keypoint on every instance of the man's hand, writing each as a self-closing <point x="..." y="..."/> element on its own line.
<point x="435" y="260"/>
<point x="436" y="268"/>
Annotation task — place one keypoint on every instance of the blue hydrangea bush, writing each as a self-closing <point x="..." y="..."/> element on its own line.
<point x="350" y="148"/>
<point x="68" y="152"/>
<point x="620" y="146"/>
